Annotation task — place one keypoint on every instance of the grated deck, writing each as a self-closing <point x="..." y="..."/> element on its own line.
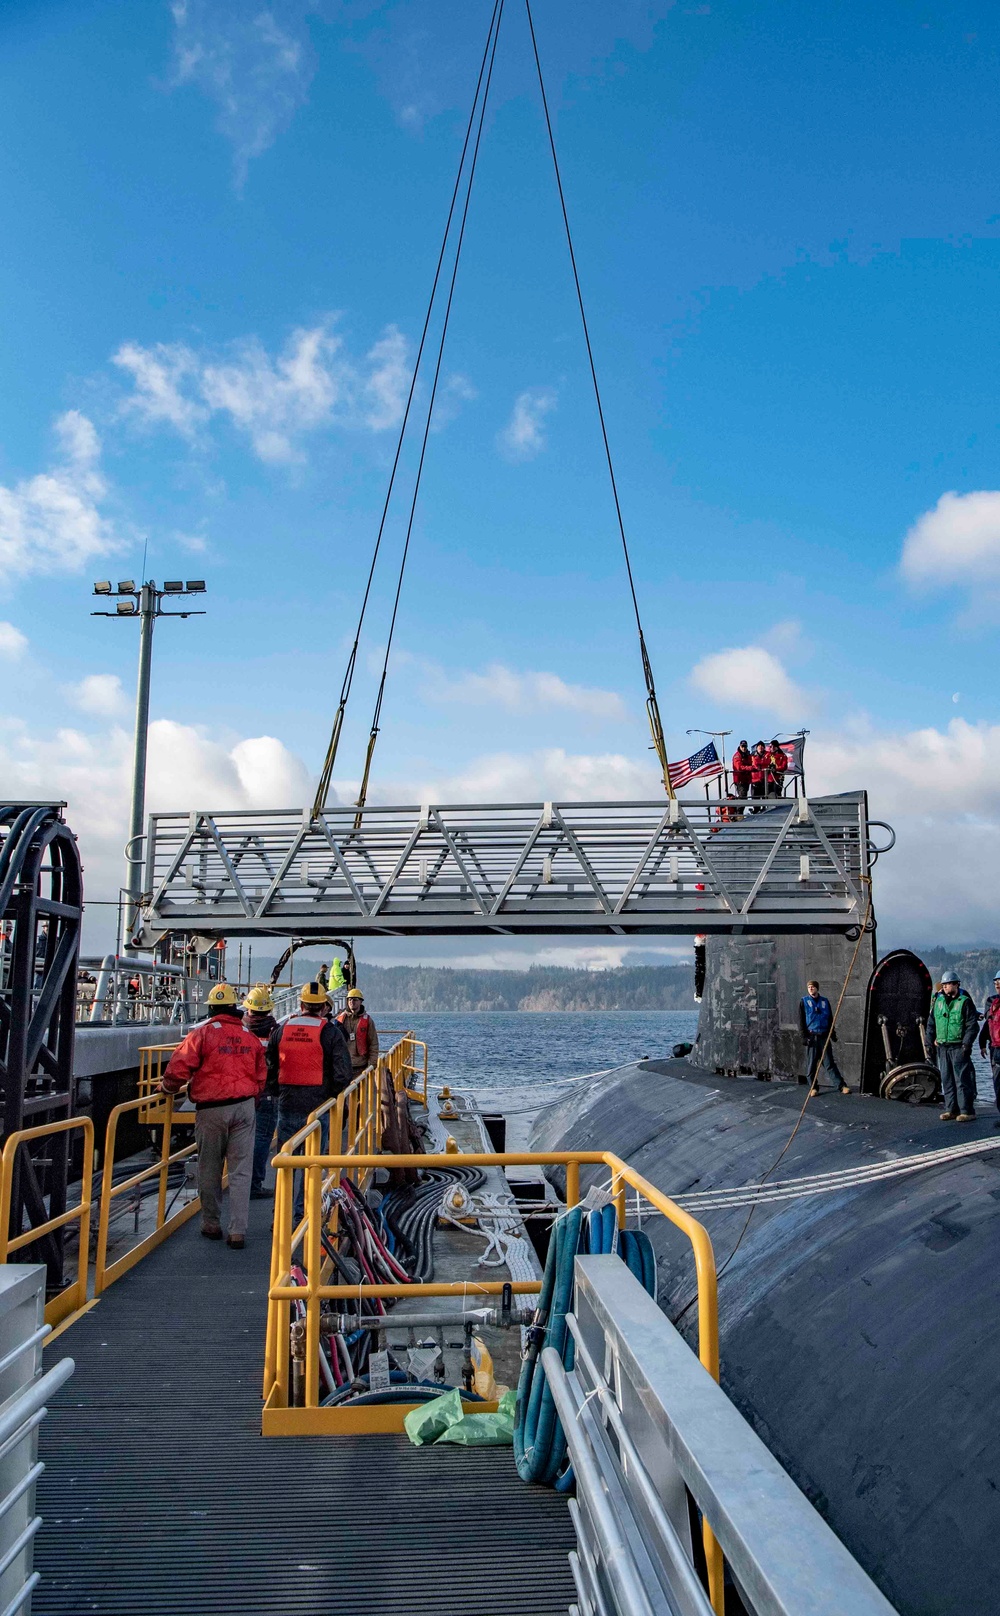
<point x="161" y="1498"/>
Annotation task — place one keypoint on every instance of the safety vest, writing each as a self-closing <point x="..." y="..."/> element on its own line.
<point x="949" y="1015"/>
<point x="993" y="1020"/>
<point x="336" y="979"/>
<point x="300" y="1053"/>
<point x="359" y="1038"/>
<point x="818" y="1014"/>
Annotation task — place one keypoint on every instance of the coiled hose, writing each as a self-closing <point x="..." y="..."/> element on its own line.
<point x="539" y="1441"/>
<point x="411" y="1214"/>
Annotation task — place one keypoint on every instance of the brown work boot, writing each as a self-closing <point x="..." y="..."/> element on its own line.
<point x="966" y="1116"/>
<point x="947" y="1116"/>
<point x="235" y="1242"/>
<point x="211" y="1231"/>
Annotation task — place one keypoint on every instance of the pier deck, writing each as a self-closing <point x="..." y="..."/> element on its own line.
<point x="161" y="1496"/>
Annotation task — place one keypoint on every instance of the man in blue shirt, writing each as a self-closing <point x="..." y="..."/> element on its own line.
<point x="816" y="1022"/>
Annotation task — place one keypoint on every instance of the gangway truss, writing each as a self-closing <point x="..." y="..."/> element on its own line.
<point x="596" y="868"/>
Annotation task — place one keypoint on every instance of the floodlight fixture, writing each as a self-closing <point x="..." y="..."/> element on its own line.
<point x="173" y="586"/>
<point x="196" y="586"/>
<point x="103" y="587"/>
<point x="127" y="608"/>
<point x="126" y="586"/>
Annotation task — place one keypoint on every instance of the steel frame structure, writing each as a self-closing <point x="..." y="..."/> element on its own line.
<point x="41" y="907"/>
<point x="613" y="868"/>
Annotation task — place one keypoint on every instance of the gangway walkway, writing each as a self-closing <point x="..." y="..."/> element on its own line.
<point x="611" y="868"/>
<point x="160" y="1495"/>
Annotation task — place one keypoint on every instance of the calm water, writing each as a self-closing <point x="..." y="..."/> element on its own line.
<point x="509" y="1056"/>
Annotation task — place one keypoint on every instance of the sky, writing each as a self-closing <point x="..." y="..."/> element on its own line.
<point x="219" y="225"/>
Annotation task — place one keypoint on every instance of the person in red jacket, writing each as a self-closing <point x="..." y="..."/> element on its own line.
<point x="224" y="1068"/>
<point x="758" y="770"/>
<point x="777" y="766"/>
<point x="742" y="769"/>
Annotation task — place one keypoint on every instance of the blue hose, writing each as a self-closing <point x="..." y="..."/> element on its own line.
<point x="539" y="1442"/>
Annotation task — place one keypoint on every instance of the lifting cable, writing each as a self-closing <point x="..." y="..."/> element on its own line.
<point x="323" y="788"/>
<point x="373" y="737"/>
<point x="652" y="705"/>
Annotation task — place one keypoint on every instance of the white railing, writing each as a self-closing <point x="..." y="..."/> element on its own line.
<point x="648" y="1430"/>
<point x="691" y="866"/>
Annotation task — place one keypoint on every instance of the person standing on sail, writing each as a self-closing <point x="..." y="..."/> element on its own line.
<point x="742" y="769"/>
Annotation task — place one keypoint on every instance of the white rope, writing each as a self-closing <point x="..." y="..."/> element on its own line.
<point x="828" y="1183"/>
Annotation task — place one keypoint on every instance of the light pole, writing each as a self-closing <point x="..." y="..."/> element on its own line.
<point x="146" y="604"/>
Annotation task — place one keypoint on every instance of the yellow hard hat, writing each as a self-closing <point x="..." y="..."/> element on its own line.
<point x="312" y="993"/>
<point x="223" y="994"/>
<point x="259" y="999"/>
<point x="355" y="993"/>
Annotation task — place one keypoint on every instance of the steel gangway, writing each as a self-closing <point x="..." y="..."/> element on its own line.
<point x="562" y="869"/>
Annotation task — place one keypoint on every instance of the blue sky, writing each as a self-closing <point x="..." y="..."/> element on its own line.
<point x="219" y="225"/>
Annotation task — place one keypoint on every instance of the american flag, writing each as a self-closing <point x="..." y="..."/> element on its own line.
<point x="701" y="765"/>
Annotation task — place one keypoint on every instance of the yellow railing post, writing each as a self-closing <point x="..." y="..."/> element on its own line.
<point x="314" y="1248"/>
<point x="572" y="1183"/>
<point x="72" y="1297"/>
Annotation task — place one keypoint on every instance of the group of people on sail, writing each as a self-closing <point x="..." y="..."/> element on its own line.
<point x="760" y="771"/>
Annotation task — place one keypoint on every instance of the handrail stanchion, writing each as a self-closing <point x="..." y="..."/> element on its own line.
<point x="572" y="1183"/>
<point x="165" y="1136"/>
<point x="72" y="1298"/>
<point x="314" y="1201"/>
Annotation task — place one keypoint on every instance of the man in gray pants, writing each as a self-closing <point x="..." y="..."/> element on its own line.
<point x="224" y="1068"/>
<point x="951" y="1034"/>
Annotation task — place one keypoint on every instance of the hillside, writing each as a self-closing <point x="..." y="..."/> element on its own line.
<point x="419" y="988"/>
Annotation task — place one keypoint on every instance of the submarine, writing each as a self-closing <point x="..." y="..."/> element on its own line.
<point x="856" y="1240"/>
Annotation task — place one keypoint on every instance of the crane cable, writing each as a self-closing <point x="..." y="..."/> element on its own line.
<point x="652" y="705"/>
<point x="373" y="737"/>
<point x="323" y="788"/>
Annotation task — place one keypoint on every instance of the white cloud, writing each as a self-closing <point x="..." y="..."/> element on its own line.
<point x="749" y="676"/>
<point x="524" y="435"/>
<point x="255" y="68"/>
<point x="520" y="692"/>
<point x="958" y="542"/>
<point x="550" y="774"/>
<point x="13" y="643"/>
<point x="99" y="694"/>
<point x="188" y="768"/>
<point x="53" y="521"/>
<point x="388" y="381"/>
<point x="275" y="400"/>
<point x="940" y="790"/>
<point x="160" y="374"/>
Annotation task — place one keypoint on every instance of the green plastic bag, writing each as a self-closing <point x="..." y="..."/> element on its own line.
<point x="428" y="1421"/>
<point x="485" y="1430"/>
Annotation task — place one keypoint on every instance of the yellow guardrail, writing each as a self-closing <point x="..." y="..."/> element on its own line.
<point x="72" y="1298"/>
<point x="355" y="1131"/>
<point x="152" y="1061"/>
<point x="161" y="1116"/>
<point x="401" y="1066"/>
<point x="281" y="1419"/>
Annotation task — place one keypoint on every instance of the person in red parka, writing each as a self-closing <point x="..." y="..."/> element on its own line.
<point x="742" y="769"/>
<point x="777" y="766"/>
<point x="758" y="770"/>
<point x="223" y="1065"/>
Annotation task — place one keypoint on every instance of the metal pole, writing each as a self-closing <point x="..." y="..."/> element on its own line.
<point x="147" y="615"/>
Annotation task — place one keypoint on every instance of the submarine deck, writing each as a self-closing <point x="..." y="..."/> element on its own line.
<point x="160" y="1495"/>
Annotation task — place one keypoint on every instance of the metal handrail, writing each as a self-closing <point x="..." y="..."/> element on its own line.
<point x="317" y="1166"/>
<point x="73" y="1297"/>
<point x="355" y="1129"/>
<point x="106" y="1273"/>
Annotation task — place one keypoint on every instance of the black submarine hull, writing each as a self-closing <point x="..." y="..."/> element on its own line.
<point x="857" y="1328"/>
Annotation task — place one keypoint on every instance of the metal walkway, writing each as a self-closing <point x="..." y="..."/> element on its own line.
<point x="160" y="1496"/>
<point x="512" y="869"/>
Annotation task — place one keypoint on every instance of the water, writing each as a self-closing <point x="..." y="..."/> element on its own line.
<point x="509" y="1057"/>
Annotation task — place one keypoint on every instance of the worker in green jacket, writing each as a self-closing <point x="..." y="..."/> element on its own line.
<point x="951" y="1033"/>
<point x="336" y="975"/>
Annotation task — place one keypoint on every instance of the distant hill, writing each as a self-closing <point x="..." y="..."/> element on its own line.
<point x="397" y="988"/>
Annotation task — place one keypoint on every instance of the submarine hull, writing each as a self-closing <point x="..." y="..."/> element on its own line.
<point x="857" y="1327"/>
